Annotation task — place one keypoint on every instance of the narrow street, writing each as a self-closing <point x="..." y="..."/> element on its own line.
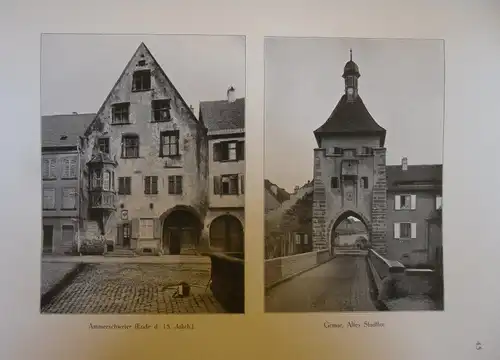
<point x="341" y="284"/>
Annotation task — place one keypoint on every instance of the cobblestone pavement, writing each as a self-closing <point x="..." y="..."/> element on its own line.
<point x="341" y="284"/>
<point x="52" y="273"/>
<point x="135" y="288"/>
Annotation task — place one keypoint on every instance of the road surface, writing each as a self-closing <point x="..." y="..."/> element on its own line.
<point x="341" y="284"/>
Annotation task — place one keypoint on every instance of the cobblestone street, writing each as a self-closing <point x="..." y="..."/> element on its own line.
<point x="136" y="288"/>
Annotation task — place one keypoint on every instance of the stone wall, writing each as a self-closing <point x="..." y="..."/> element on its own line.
<point x="228" y="282"/>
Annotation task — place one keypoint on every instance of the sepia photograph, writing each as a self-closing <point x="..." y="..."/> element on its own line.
<point x="143" y="163"/>
<point x="353" y="174"/>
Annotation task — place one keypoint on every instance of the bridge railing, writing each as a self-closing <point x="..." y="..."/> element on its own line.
<point x="393" y="279"/>
<point x="280" y="269"/>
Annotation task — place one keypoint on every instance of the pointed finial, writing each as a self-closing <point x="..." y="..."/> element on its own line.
<point x="350" y="54"/>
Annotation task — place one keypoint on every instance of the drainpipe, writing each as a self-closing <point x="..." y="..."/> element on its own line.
<point x="78" y="241"/>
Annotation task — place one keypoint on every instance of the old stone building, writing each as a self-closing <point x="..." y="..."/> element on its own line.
<point x="225" y="121"/>
<point x="62" y="167"/>
<point x="349" y="169"/>
<point x="396" y="203"/>
<point x="147" y="168"/>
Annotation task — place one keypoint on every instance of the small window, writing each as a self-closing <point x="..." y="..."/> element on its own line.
<point x="169" y="143"/>
<point x="364" y="182"/>
<point x="124" y="185"/>
<point x="130" y="146"/>
<point x="69" y="168"/>
<point x="229" y="151"/>
<point x="49" y="199"/>
<point x="175" y="185"/>
<point x="120" y="113"/>
<point x="69" y="198"/>
<point x="104" y="145"/>
<point x="229" y="185"/>
<point x="160" y="110"/>
<point x="439" y="202"/>
<point x="141" y="80"/>
<point x="406" y="202"/>
<point x="146" y="228"/>
<point x="151" y="185"/>
<point x="49" y="169"/>
<point x="405" y="230"/>
<point x="141" y="63"/>
<point x="337" y="151"/>
<point x="335" y="183"/>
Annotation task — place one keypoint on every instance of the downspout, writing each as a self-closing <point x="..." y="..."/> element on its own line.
<point x="78" y="241"/>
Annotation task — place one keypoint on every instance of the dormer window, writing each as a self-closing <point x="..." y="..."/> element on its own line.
<point x="160" y="110"/>
<point x="141" y="80"/>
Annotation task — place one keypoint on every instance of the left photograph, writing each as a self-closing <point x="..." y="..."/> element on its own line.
<point x="142" y="174"/>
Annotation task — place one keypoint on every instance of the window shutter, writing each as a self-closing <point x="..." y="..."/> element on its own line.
<point x="121" y="185"/>
<point x="413" y="230"/>
<point x="154" y="185"/>
<point x="240" y="150"/>
<point x="134" y="228"/>
<point x="217" y="185"/>
<point x="397" y="202"/>
<point x="217" y="152"/>
<point x="147" y="183"/>
<point x="396" y="230"/>
<point x="157" y="229"/>
<point x="179" y="184"/>
<point x="242" y="184"/>
<point x="53" y="168"/>
<point x="46" y="168"/>
<point x="413" y="202"/>
<point x="72" y="167"/>
<point x="128" y="185"/>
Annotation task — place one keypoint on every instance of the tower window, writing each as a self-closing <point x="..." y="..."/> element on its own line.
<point x="364" y="182"/>
<point x="334" y="183"/>
<point x="141" y="80"/>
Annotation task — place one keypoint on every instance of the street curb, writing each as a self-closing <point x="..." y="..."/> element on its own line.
<point x="55" y="290"/>
<point x="290" y="277"/>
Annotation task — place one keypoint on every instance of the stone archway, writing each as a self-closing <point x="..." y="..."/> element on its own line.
<point x="226" y="234"/>
<point x="341" y="217"/>
<point x="181" y="231"/>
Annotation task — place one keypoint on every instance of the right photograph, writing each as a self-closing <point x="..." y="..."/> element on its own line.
<point x="353" y="174"/>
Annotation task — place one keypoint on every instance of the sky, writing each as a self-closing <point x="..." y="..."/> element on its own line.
<point x="401" y="84"/>
<point x="78" y="71"/>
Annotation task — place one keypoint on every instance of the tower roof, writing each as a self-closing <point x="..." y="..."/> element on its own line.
<point x="351" y="118"/>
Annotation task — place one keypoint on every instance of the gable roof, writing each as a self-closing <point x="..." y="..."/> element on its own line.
<point x="281" y="195"/>
<point x="414" y="175"/>
<point x="142" y="47"/>
<point x="351" y="118"/>
<point x="72" y="126"/>
<point x="223" y="115"/>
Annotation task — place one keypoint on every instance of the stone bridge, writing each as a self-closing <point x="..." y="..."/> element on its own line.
<point x="350" y="280"/>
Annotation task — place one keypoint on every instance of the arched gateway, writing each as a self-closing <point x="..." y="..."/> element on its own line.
<point x="350" y="169"/>
<point x="181" y="230"/>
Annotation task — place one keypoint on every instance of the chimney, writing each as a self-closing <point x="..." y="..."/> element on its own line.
<point x="274" y="189"/>
<point x="230" y="95"/>
<point x="296" y="189"/>
<point x="404" y="163"/>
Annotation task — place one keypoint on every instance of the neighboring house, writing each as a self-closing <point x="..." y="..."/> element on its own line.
<point x="225" y="121"/>
<point x="62" y="165"/>
<point x="147" y="164"/>
<point x="414" y="193"/>
<point x="274" y="196"/>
